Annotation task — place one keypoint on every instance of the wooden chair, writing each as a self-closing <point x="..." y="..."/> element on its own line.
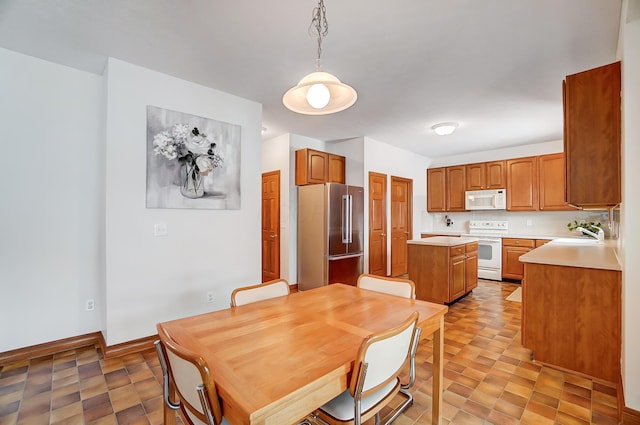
<point x="375" y="378"/>
<point x="195" y="388"/>
<point x="251" y="294"/>
<point x="388" y="285"/>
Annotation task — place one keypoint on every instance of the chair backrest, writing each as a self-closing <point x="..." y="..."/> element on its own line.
<point x="388" y="285"/>
<point x="264" y="291"/>
<point x="194" y="385"/>
<point x="382" y="356"/>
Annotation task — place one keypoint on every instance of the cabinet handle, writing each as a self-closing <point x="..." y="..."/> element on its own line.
<point x="382" y="235"/>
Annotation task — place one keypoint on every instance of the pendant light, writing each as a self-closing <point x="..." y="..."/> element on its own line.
<point x="319" y="93"/>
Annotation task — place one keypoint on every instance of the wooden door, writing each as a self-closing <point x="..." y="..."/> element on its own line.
<point x="522" y="184"/>
<point x="455" y="188"/>
<point x="592" y="136"/>
<point x="512" y="268"/>
<point x="495" y="175"/>
<point x="270" y="225"/>
<point x="458" y="277"/>
<point x="551" y="178"/>
<point x="471" y="267"/>
<point x="337" y="169"/>
<point x="401" y="219"/>
<point x="475" y="176"/>
<point x="378" y="224"/>
<point x="436" y="189"/>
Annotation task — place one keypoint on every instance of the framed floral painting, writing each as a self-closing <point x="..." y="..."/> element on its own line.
<point x="192" y="162"/>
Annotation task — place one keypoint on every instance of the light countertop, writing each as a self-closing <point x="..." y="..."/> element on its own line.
<point x="490" y="235"/>
<point x="443" y="240"/>
<point x="602" y="256"/>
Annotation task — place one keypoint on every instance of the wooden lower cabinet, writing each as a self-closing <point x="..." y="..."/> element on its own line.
<point x="471" y="266"/>
<point x="512" y="249"/>
<point x="443" y="274"/>
<point x="571" y="318"/>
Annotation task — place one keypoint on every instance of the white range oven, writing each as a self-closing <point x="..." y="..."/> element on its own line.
<point x="489" y="234"/>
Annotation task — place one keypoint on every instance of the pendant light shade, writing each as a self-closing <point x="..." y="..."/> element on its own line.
<point x="319" y="93"/>
<point x="307" y="96"/>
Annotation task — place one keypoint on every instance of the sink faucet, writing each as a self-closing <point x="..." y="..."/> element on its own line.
<point x="599" y="236"/>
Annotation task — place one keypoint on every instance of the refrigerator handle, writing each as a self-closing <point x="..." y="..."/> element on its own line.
<point x="344" y="225"/>
<point x="350" y="231"/>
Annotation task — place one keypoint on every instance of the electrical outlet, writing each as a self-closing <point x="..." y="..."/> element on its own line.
<point x="529" y="222"/>
<point x="210" y="296"/>
<point x="90" y="305"/>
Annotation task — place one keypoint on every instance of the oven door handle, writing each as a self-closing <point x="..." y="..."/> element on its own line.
<point x="497" y="240"/>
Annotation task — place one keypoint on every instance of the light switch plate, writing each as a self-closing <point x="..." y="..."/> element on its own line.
<point x="160" y="229"/>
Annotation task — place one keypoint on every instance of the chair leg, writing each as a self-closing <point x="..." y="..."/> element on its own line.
<point x="408" y="402"/>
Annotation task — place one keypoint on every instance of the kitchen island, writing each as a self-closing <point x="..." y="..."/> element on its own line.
<point x="571" y="307"/>
<point x="443" y="268"/>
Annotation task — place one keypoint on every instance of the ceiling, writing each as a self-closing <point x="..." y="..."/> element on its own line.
<point x="494" y="66"/>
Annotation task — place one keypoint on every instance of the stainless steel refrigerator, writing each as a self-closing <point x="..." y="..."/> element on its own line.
<point x="330" y="234"/>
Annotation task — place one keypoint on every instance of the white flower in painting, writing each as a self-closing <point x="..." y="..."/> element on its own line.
<point x="198" y="144"/>
<point x="180" y="132"/>
<point x="164" y="145"/>
<point x="195" y="151"/>
<point x="205" y="165"/>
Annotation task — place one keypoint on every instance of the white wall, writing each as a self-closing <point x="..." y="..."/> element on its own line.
<point x="353" y="151"/>
<point x="275" y="156"/>
<point x="386" y="159"/>
<point x="547" y="223"/>
<point x="151" y="279"/>
<point x="630" y="227"/>
<point x="498" y="154"/>
<point x="52" y="174"/>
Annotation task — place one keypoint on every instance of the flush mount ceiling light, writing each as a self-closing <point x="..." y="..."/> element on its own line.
<point x="319" y="93"/>
<point x="445" y="128"/>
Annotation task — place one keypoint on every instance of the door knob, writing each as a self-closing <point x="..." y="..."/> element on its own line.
<point x="382" y="235"/>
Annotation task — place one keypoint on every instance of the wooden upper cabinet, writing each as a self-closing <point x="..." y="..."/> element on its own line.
<point x="551" y="178"/>
<point x="455" y="185"/>
<point x="522" y="184"/>
<point x="592" y="136"/>
<point x="317" y="167"/>
<point x="485" y="175"/>
<point x="436" y="189"/>
<point x="336" y="169"/>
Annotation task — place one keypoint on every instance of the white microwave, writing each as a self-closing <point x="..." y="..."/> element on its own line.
<point x="494" y="199"/>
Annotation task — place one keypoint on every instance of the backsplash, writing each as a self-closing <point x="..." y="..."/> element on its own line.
<point x="534" y="223"/>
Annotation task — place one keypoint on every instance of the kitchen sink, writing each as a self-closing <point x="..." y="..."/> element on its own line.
<point x="576" y="241"/>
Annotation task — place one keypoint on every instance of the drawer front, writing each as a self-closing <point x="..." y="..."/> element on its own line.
<point x="456" y="250"/>
<point x="470" y="247"/>
<point x="529" y="243"/>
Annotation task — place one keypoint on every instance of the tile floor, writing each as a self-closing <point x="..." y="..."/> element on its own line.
<point x="489" y="379"/>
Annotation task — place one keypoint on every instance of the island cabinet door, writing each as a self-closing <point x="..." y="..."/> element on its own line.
<point x="457" y="277"/>
<point x="471" y="270"/>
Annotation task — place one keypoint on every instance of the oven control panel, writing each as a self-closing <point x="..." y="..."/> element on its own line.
<point x="486" y="226"/>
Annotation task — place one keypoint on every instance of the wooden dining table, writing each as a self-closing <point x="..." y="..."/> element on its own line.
<point x="276" y="361"/>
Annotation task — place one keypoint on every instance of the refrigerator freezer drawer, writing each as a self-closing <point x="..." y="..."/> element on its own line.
<point x="345" y="268"/>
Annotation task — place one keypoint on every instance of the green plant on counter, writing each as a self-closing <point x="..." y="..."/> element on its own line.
<point x="591" y="226"/>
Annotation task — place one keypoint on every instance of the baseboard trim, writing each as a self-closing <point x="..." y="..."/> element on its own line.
<point x="53" y="347"/>
<point x="92" y="339"/>
<point x="129" y="347"/>
<point x="630" y="416"/>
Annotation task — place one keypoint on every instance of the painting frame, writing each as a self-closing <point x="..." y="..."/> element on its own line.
<point x="193" y="162"/>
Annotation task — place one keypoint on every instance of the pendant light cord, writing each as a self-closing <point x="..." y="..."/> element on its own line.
<point x="319" y="28"/>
